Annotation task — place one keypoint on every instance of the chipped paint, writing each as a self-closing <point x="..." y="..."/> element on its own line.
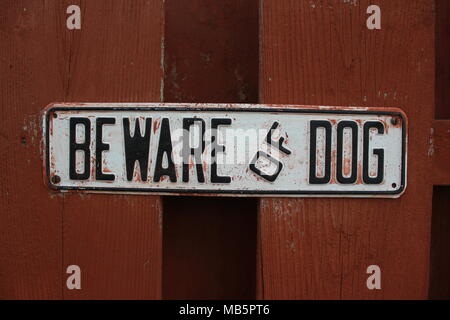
<point x="292" y="179"/>
<point x="431" y="148"/>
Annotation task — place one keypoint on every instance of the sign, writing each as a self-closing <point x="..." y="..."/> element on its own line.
<point x="231" y="150"/>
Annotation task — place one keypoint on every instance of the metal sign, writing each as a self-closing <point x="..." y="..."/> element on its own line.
<point x="234" y="150"/>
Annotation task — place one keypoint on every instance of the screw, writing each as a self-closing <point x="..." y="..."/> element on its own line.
<point x="55" y="115"/>
<point x="394" y="121"/>
<point x="56" y="179"/>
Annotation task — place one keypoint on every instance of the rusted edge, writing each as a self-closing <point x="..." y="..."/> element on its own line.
<point x="50" y="108"/>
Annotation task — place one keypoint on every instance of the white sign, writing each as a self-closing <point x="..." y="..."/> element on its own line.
<point x="234" y="150"/>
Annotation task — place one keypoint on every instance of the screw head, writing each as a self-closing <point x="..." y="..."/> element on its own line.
<point x="394" y="121"/>
<point x="55" y="179"/>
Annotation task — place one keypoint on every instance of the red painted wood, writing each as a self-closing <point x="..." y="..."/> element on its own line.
<point x="211" y="51"/>
<point x="211" y="55"/>
<point x="31" y="76"/>
<point x="442" y="10"/>
<point x="311" y="53"/>
<point x="115" y="239"/>
<point x="439" y="151"/>
<point x="322" y="53"/>
<point x="209" y="248"/>
<point x="440" y="246"/>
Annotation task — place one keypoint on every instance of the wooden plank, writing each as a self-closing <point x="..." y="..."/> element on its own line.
<point x="442" y="60"/>
<point x="209" y="248"/>
<point x="440" y="246"/>
<point x="321" y="53"/>
<point x="116" y="240"/>
<point x="440" y="154"/>
<point x="439" y="151"/>
<point x="31" y="76"/>
<point x="211" y="51"/>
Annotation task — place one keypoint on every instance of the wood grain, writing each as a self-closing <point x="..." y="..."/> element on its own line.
<point x="30" y="215"/>
<point x="320" y="52"/>
<point x="211" y="55"/>
<point x="209" y="248"/>
<point x="211" y="51"/>
<point x="440" y="246"/>
<point x="442" y="60"/>
<point x="439" y="151"/>
<point x="116" y="240"/>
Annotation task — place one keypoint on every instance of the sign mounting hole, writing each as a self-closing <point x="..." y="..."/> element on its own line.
<point x="56" y="179"/>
